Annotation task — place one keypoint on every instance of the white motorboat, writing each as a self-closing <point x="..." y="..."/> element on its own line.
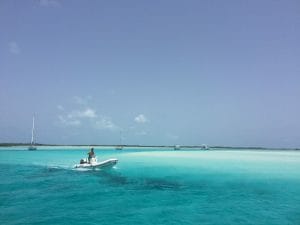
<point x="84" y="163"/>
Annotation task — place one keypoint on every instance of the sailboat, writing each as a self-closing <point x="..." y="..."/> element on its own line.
<point x="120" y="147"/>
<point x="32" y="146"/>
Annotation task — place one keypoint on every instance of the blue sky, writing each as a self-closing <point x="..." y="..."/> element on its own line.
<point x="162" y="72"/>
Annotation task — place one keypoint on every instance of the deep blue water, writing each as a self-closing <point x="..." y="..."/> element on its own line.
<point x="151" y="187"/>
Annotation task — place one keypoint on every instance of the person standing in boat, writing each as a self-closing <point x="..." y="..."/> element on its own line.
<point x="91" y="155"/>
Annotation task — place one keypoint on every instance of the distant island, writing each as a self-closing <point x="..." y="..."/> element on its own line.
<point x="145" y="146"/>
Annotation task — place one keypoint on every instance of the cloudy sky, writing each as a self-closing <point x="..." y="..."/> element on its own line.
<point x="158" y="72"/>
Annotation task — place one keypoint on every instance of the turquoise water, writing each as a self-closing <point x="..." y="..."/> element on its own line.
<point x="150" y="187"/>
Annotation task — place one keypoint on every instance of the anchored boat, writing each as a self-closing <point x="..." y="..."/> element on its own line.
<point x="32" y="143"/>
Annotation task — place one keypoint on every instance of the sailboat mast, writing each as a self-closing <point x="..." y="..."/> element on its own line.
<point x="32" y="132"/>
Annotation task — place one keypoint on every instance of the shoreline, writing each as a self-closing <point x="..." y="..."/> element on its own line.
<point x="113" y="147"/>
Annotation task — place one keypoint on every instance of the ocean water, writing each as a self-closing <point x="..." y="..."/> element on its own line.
<point x="150" y="186"/>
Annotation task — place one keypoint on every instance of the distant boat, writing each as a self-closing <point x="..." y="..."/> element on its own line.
<point x="204" y="147"/>
<point x="177" y="147"/>
<point x="120" y="147"/>
<point x="32" y="143"/>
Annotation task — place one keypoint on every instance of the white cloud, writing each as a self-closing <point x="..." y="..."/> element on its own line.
<point x="14" y="48"/>
<point x="69" y="122"/>
<point x="105" y="123"/>
<point x="141" y="119"/>
<point x="50" y="3"/>
<point x="60" y="107"/>
<point x="74" y="118"/>
<point x="87" y="113"/>
<point x="90" y="118"/>
<point x="87" y="117"/>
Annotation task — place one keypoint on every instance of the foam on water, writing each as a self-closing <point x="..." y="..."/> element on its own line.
<point x="150" y="187"/>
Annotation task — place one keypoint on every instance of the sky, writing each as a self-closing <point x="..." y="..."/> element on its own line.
<point x="221" y="73"/>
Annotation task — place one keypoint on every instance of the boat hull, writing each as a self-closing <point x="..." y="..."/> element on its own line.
<point x="103" y="164"/>
<point x="32" y="148"/>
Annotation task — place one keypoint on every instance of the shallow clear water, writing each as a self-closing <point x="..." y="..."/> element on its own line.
<point x="150" y="187"/>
